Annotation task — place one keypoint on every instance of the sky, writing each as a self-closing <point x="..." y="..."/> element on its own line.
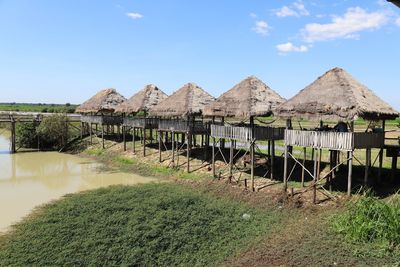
<point x="67" y="50"/>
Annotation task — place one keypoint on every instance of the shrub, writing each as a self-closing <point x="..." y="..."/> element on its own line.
<point x="371" y="220"/>
<point x="53" y="131"/>
<point x="26" y="135"/>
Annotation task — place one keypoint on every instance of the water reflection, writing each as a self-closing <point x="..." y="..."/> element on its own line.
<point x="28" y="179"/>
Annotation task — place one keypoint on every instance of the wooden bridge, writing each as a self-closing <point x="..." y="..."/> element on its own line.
<point x="24" y="117"/>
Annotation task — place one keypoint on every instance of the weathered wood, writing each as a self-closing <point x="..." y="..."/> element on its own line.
<point x="367" y="165"/>
<point x="246" y="134"/>
<point x="272" y="159"/>
<point x="213" y="156"/>
<point x="188" y="147"/>
<point x="315" y="176"/>
<point x="381" y="152"/>
<point x="159" y="146"/>
<point x="350" y="173"/>
<point x="144" y="142"/>
<point x="285" y="171"/>
<point x="102" y="136"/>
<point x="124" y="136"/>
<point x="304" y="166"/>
<point x="173" y="149"/>
<point x="252" y="165"/>
<point x="183" y="126"/>
<point x="231" y="159"/>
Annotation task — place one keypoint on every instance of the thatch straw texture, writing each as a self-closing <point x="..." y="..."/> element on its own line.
<point x="336" y="95"/>
<point x="251" y="97"/>
<point x="104" y="101"/>
<point x="143" y="100"/>
<point x="190" y="100"/>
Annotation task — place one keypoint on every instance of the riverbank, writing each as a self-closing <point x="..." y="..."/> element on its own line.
<point x="192" y="220"/>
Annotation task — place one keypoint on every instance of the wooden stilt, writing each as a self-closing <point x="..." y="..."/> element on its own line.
<point x="213" y="156"/>
<point x="231" y="159"/>
<point x="13" y="137"/>
<point x="315" y="178"/>
<point x="91" y="136"/>
<point x="159" y="146"/>
<point x="252" y="165"/>
<point x="102" y="136"/>
<point x="173" y="149"/>
<point x="144" y="142"/>
<point x="381" y="152"/>
<point x="304" y="165"/>
<point x="367" y="166"/>
<point x="272" y="159"/>
<point x="188" y="146"/>
<point x="350" y="172"/>
<point x="124" y="137"/>
<point x="394" y="167"/>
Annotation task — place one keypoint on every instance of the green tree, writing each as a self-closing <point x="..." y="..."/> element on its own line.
<point x="26" y="135"/>
<point x="53" y="131"/>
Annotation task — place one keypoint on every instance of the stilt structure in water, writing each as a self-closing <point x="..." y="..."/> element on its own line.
<point x="99" y="111"/>
<point x="136" y="121"/>
<point x="335" y="96"/>
<point x="181" y="118"/>
<point x="247" y="100"/>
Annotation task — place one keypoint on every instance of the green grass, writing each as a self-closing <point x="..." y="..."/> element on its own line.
<point x="371" y="220"/>
<point x="31" y="107"/>
<point x="148" y="225"/>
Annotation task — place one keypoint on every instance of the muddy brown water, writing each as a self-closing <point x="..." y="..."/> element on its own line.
<point x="29" y="179"/>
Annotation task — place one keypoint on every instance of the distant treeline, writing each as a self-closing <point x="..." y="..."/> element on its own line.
<point x="38" y="107"/>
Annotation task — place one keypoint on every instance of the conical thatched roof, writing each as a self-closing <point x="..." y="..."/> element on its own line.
<point x="251" y="97"/>
<point x="187" y="101"/>
<point x="143" y="100"/>
<point x="104" y="101"/>
<point x="336" y="95"/>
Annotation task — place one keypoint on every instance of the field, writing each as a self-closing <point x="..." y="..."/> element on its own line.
<point x="32" y="107"/>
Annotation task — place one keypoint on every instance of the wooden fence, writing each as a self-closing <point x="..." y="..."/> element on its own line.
<point x="149" y="123"/>
<point x="246" y="134"/>
<point x="99" y="119"/>
<point x="183" y="126"/>
<point x="333" y="140"/>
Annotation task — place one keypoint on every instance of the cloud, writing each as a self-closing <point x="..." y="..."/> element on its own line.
<point x="134" y="15"/>
<point x="253" y="15"/>
<point x="398" y="21"/>
<point x="261" y="27"/>
<point x="296" y="9"/>
<point x="289" y="47"/>
<point x="349" y="25"/>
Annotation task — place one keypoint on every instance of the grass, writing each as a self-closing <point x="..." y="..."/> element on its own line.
<point x="371" y="220"/>
<point x="31" y="107"/>
<point x="148" y="225"/>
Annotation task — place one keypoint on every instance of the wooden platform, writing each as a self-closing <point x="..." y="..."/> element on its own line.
<point x="102" y="119"/>
<point x="183" y="126"/>
<point x="11" y="116"/>
<point x="148" y="123"/>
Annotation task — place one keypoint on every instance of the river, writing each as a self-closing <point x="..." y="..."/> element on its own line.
<point x="29" y="179"/>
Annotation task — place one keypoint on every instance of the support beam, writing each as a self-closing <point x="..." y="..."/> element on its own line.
<point x="173" y="149"/>
<point x="159" y="146"/>
<point x="213" y="156"/>
<point x="124" y="136"/>
<point x="304" y="166"/>
<point x="315" y="174"/>
<point x="102" y="135"/>
<point x="350" y="173"/>
<point x="144" y="142"/>
<point x="231" y="159"/>
<point x="252" y="165"/>
<point x="188" y="147"/>
<point x="381" y="152"/>
<point x="367" y="165"/>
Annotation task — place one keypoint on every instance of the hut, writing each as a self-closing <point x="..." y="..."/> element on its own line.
<point x="337" y="96"/>
<point x="98" y="110"/>
<point x="248" y="99"/>
<point x="181" y="114"/>
<point x="135" y="111"/>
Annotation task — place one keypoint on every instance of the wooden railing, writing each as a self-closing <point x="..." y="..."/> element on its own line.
<point x="333" y="140"/>
<point x="99" y="119"/>
<point x="141" y="122"/>
<point x="246" y="133"/>
<point x="182" y="126"/>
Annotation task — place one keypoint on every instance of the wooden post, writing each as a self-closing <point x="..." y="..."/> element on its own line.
<point x="367" y="165"/>
<point x="124" y="136"/>
<point x="133" y="140"/>
<point x="81" y="130"/>
<point x="188" y="146"/>
<point x="213" y="156"/>
<point x="173" y="149"/>
<point x="151" y="136"/>
<point x="272" y="158"/>
<point x="304" y="165"/>
<point x="159" y="146"/>
<point x="102" y="135"/>
<point x="315" y="176"/>
<point x="381" y="152"/>
<point x="13" y="137"/>
<point x="231" y="159"/>
<point x="144" y="142"/>
<point x="252" y="165"/>
<point x="394" y="167"/>
<point x="91" y="136"/>
<point x="350" y="173"/>
<point x="222" y="141"/>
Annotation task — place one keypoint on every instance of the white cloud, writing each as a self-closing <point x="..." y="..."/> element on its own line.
<point x="349" y="25"/>
<point x="296" y="9"/>
<point x="134" y="15"/>
<point x="253" y="15"/>
<point x="261" y="27"/>
<point x="398" y="21"/>
<point x="289" y="47"/>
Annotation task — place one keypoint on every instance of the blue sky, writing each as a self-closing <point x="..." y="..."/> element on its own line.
<point x="66" y="50"/>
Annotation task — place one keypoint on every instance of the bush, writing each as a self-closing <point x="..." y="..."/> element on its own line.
<point x="53" y="131"/>
<point x="26" y="135"/>
<point x="371" y="220"/>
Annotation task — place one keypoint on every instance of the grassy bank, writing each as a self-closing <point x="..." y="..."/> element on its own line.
<point x="39" y="107"/>
<point x="161" y="224"/>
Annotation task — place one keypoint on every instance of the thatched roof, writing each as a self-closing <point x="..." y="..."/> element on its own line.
<point x="104" y="101"/>
<point x="336" y="95"/>
<point x="143" y="100"/>
<point x="187" y="101"/>
<point x="251" y="97"/>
